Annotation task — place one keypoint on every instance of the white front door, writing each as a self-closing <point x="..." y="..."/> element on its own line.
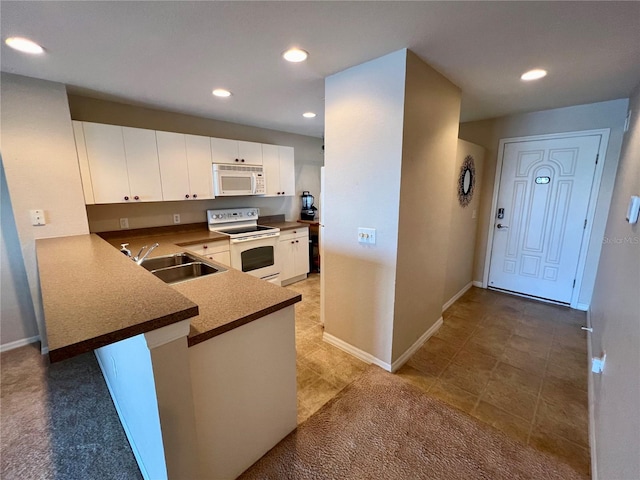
<point x="541" y="215"/>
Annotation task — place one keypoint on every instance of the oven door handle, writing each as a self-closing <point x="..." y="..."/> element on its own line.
<point x="253" y="183"/>
<point x="251" y="239"/>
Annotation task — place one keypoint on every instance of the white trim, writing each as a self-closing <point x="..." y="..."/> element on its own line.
<point x="582" y="306"/>
<point x="457" y="296"/>
<point x="161" y="336"/>
<point x="591" y="210"/>
<point x="591" y="400"/>
<point x="367" y="357"/>
<point x="478" y="284"/>
<point x="423" y="338"/>
<point x="356" y="352"/>
<point x="125" y="427"/>
<point x="19" y="343"/>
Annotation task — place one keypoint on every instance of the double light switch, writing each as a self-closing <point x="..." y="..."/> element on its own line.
<point x="367" y="235"/>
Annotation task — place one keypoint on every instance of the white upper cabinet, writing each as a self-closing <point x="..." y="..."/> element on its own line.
<point x="250" y="152"/>
<point x="233" y="151"/>
<point x="83" y="163"/>
<point x="224" y="151"/>
<point x="287" y="170"/>
<point x="107" y="162"/>
<point x="141" y="152"/>
<point x="172" y="156"/>
<point x="278" y="164"/>
<point x="199" y="166"/>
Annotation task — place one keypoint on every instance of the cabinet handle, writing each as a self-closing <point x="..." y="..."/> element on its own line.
<point x="126" y="198"/>
<point x="297" y="241"/>
<point x="283" y="193"/>
<point x="292" y="241"/>
<point x="242" y="160"/>
<point x="136" y="197"/>
<point x="237" y="159"/>
<point x="205" y="246"/>
<point x="195" y="195"/>
<point x="186" y="196"/>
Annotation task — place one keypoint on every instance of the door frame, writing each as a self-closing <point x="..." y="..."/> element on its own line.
<point x="591" y="210"/>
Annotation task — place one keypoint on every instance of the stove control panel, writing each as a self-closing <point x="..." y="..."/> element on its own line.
<point x="232" y="215"/>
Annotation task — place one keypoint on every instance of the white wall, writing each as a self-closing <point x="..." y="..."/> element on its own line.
<point x="615" y="318"/>
<point x="488" y="133"/>
<point x="308" y="160"/>
<point x="363" y="155"/>
<point x="41" y="168"/>
<point x="18" y="322"/>
<point x="462" y="236"/>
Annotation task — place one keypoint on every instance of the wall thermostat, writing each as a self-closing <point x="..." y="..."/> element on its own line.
<point x="634" y="208"/>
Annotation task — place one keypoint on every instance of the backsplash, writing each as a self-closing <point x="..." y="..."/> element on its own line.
<point x="106" y="218"/>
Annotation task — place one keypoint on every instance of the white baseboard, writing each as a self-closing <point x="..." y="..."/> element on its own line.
<point x="591" y="395"/>
<point x="395" y="366"/>
<point x="356" y="352"/>
<point x="582" y="306"/>
<point x="457" y="296"/>
<point x="368" y="358"/>
<point x="19" y="343"/>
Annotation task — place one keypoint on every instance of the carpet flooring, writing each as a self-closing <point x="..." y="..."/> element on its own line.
<point x="58" y="421"/>
<point x="380" y="426"/>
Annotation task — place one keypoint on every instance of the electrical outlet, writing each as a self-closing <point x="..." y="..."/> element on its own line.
<point x="474" y="214"/>
<point x="124" y="223"/>
<point x="37" y="217"/>
<point x="176" y="218"/>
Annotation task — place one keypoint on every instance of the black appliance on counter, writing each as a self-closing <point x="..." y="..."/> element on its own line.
<point x="308" y="210"/>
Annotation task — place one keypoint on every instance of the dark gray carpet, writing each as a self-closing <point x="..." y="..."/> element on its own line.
<point x="58" y="421"/>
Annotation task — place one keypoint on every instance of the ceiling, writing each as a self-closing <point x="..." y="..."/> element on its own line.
<point x="170" y="55"/>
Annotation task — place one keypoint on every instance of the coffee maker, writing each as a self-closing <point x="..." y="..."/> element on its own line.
<point x="308" y="210"/>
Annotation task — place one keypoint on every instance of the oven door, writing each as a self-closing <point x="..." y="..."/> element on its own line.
<point x="256" y="257"/>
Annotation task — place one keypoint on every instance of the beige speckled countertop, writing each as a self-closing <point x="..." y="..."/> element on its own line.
<point x="226" y="300"/>
<point x="93" y="295"/>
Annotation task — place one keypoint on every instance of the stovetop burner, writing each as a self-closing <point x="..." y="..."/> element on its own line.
<point x="249" y="229"/>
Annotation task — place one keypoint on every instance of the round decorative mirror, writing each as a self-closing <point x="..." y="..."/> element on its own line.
<point x="466" y="181"/>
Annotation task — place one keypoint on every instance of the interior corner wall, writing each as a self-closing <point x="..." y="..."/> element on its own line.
<point x="41" y="167"/>
<point x="464" y="225"/>
<point x="593" y="116"/>
<point x="308" y="161"/>
<point x="614" y="316"/>
<point x="430" y="139"/>
<point x="363" y="153"/>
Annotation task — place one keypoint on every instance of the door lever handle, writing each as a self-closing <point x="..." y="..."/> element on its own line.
<point x="501" y="227"/>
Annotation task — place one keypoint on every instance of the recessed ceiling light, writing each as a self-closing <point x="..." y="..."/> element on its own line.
<point x="221" y="92"/>
<point x="24" y="45"/>
<point x="295" y="55"/>
<point x="533" y="75"/>
<point x="308" y="114"/>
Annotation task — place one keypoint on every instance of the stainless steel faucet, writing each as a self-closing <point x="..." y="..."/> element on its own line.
<point x="139" y="259"/>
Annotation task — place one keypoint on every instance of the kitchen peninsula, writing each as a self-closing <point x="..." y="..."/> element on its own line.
<point x="202" y="372"/>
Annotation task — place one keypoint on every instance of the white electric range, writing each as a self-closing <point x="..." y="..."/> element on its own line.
<point x="252" y="247"/>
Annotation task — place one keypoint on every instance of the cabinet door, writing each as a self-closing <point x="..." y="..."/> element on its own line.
<point x="271" y="166"/>
<point x="224" y="150"/>
<point x="301" y="255"/>
<point x="141" y="152"/>
<point x="174" y="172"/>
<point x="107" y="161"/>
<point x="223" y="258"/>
<point x="287" y="171"/>
<point x="199" y="167"/>
<point x="83" y="163"/>
<point x="250" y="152"/>
<point x="286" y="259"/>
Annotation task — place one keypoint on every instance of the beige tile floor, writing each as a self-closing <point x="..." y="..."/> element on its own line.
<point x="516" y="364"/>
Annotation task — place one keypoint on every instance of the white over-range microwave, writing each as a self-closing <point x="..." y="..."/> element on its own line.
<point x="229" y="180"/>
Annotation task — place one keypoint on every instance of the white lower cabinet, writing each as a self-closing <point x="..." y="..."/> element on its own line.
<point x="293" y="255"/>
<point x="218" y="251"/>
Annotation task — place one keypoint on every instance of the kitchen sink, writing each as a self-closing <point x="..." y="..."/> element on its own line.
<point x="180" y="267"/>
<point x="168" y="261"/>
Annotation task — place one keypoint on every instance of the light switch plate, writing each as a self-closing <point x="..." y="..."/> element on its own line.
<point x="124" y="223"/>
<point x="367" y="235"/>
<point x="37" y="217"/>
